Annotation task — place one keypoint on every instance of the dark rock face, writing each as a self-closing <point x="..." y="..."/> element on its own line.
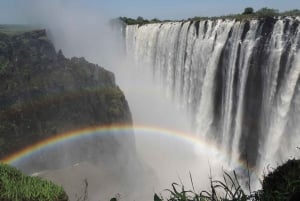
<point x="42" y="94"/>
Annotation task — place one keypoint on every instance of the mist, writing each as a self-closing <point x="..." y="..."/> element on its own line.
<point x="85" y="32"/>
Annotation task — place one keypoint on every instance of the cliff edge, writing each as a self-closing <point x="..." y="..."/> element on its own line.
<point x="43" y="94"/>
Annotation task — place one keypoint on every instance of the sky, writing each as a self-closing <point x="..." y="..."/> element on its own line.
<point x="11" y="11"/>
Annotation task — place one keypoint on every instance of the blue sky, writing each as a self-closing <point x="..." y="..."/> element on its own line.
<point x="178" y="9"/>
<point x="12" y="10"/>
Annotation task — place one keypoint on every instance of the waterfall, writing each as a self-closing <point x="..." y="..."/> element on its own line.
<point x="237" y="80"/>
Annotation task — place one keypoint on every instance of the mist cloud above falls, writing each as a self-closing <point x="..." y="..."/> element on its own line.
<point x="76" y="29"/>
<point x="82" y="31"/>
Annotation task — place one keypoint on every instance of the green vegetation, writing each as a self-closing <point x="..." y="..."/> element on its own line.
<point x="279" y="185"/>
<point x="3" y="64"/>
<point x="267" y="12"/>
<point x="15" y="29"/>
<point x="282" y="182"/>
<point x="293" y="13"/>
<point x="248" y="11"/>
<point x="15" y="186"/>
<point x="229" y="189"/>
<point x="131" y="21"/>
<point x="248" y="14"/>
<point x="141" y="21"/>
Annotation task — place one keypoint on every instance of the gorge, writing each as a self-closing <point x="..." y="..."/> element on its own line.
<point x="235" y="83"/>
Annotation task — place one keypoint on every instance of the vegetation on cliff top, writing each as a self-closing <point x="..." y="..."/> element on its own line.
<point x="12" y="29"/>
<point x="15" y="186"/>
<point x="248" y="14"/>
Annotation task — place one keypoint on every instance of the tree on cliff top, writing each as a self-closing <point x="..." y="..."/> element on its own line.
<point x="267" y="12"/>
<point x="248" y="10"/>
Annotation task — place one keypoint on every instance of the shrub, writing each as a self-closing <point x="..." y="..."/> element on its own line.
<point x="282" y="183"/>
<point x="267" y="12"/>
<point x="295" y="12"/>
<point x="15" y="186"/>
<point x="248" y="10"/>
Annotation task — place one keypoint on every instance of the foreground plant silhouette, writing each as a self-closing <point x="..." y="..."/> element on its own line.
<point x="228" y="189"/>
<point x="282" y="184"/>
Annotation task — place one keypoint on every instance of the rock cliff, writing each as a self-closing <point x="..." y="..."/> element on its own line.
<point x="42" y="94"/>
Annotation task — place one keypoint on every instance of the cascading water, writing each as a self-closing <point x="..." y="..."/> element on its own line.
<point x="238" y="80"/>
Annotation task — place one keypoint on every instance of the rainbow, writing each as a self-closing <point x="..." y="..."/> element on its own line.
<point x="200" y="145"/>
